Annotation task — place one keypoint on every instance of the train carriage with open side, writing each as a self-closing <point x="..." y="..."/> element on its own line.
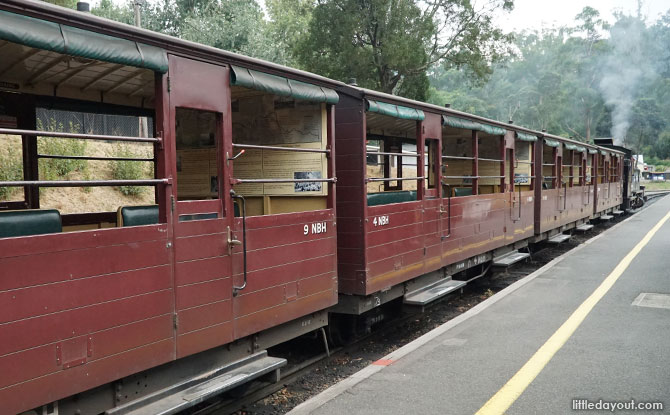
<point x="425" y="193"/>
<point x="245" y="243"/>
<point x="100" y="308"/>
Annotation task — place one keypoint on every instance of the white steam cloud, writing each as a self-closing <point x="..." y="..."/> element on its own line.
<point x="624" y="68"/>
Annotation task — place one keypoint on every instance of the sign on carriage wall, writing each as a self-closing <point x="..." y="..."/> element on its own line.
<point x="272" y="121"/>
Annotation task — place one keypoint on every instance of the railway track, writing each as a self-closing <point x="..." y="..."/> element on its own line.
<point x="264" y="398"/>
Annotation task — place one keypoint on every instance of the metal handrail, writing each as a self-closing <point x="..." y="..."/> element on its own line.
<point x="12" y="131"/>
<point x="331" y="180"/>
<point x="495" y="160"/>
<point x="391" y="179"/>
<point x="62" y="157"/>
<point x="461" y="177"/>
<point x="234" y="195"/>
<point x="381" y="153"/>
<point x="277" y="148"/>
<point x="458" y="157"/>
<point x="84" y="183"/>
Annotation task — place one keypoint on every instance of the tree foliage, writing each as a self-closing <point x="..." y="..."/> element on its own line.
<point x="570" y="80"/>
<point x="389" y="45"/>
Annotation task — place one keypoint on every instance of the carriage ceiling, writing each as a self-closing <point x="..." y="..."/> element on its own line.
<point x="42" y="72"/>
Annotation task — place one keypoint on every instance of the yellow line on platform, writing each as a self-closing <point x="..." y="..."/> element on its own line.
<point x="511" y="391"/>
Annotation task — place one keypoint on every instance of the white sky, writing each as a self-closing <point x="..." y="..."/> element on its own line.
<point x="536" y="14"/>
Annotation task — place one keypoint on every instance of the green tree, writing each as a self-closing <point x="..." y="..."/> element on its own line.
<point x="70" y="4"/>
<point x="289" y="22"/>
<point x="389" y="45"/>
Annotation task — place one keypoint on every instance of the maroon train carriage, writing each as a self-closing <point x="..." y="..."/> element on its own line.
<point x="98" y="309"/>
<point x="425" y="193"/>
<point x="575" y="186"/>
<point x="429" y="197"/>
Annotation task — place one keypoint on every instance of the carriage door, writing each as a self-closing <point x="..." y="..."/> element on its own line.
<point x="586" y="189"/>
<point x="199" y="105"/>
<point x="562" y="189"/>
<point x="514" y="194"/>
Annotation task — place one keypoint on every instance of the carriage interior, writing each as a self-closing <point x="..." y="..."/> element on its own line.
<point x="391" y="160"/>
<point x="523" y="165"/>
<point x="465" y="173"/>
<point x="548" y="166"/>
<point x="48" y="91"/>
<point x="264" y="119"/>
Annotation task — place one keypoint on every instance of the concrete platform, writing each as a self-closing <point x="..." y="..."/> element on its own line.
<point x="618" y="352"/>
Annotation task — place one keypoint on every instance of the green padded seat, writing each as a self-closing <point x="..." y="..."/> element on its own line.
<point x="138" y="215"/>
<point x="386" y="198"/>
<point x="29" y="222"/>
<point x="462" y="191"/>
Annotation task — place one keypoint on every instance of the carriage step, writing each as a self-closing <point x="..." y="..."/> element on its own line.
<point x="557" y="239"/>
<point x="509" y="258"/>
<point x="617" y="212"/>
<point x="194" y="390"/>
<point x="584" y="227"/>
<point x="606" y="217"/>
<point x="432" y="292"/>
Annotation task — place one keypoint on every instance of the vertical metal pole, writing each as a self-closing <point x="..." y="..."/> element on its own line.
<point x="136" y="10"/>
<point x="475" y="162"/>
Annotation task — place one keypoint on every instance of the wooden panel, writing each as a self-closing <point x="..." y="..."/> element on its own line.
<point x="197" y="341"/>
<point x="203" y="316"/>
<point x="51" y="267"/>
<point x="51" y="298"/>
<point x="203" y="293"/>
<point x="38" y="244"/>
<point x="270" y="277"/>
<point x="270" y="317"/>
<point x="40" y="361"/>
<point x="24" y="396"/>
<point x="34" y="332"/>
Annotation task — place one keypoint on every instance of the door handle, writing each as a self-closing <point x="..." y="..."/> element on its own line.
<point x="232" y="242"/>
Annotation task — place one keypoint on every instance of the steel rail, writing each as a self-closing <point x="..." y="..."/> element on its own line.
<point x="12" y="131"/>
<point x="276" y="148"/>
<point x="458" y="157"/>
<point x="381" y="153"/>
<point x="92" y="158"/>
<point x="390" y="179"/>
<point x="84" y="183"/>
<point x="237" y="181"/>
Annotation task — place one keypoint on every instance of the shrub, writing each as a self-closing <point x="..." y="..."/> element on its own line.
<point x="57" y="169"/>
<point x="128" y="170"/>
<point x="11" y="169"/>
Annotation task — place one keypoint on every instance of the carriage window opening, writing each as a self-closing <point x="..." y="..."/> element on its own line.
<point x="548" y="167"/>
<point x="392" y="135"/>
<point x="86" y="97"/>
<point x="523" y="165"/>
<point x="579" y="168"/>
<point x="601" y="169"/>
<point x="86" y="208"/>
<point x="491" y="170"/>
<point x="430" y="164"/>
<point x="267" y="120"/>
<point x="458" y="162"/>
<point x="567" y="170"/>
<point x="197" y="156"/>
<point x="589" y="169"/>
